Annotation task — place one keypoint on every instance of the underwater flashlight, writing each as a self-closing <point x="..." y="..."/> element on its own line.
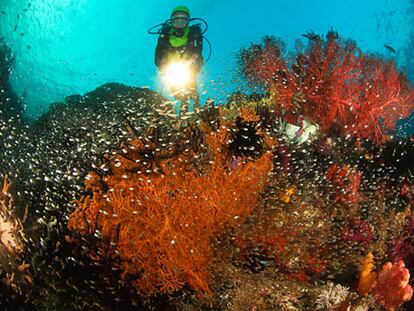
<point x="177" y="74"/>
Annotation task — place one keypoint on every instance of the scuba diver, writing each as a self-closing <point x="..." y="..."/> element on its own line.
<point x="179" y="58"/>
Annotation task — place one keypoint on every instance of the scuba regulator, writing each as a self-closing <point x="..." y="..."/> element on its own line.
<point x="178" y="32"/>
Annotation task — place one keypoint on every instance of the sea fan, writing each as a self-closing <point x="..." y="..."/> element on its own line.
<point x="339" y="86"/>
<point x="161" y="221"/>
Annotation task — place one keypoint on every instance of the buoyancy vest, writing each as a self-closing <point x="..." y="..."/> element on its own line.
<point x="181" y="41"/>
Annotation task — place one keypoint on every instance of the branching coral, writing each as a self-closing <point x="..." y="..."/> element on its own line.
<point x="338" y="86"/>
<point x="160" y="221"/>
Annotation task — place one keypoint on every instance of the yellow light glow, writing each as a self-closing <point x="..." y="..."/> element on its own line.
<point x="177" y="74"/>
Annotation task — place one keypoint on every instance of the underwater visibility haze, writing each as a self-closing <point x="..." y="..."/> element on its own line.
<point x="206" y="155"/>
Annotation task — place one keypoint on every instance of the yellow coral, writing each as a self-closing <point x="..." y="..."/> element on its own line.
<point x="286" y="195"/>
<point x="367" y="277"/>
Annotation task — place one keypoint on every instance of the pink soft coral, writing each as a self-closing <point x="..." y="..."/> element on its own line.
<point x="392" y="288"/>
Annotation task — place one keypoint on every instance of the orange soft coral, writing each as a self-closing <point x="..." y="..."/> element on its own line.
<point x="161" y="221"/>
<point x="367" y="276"/>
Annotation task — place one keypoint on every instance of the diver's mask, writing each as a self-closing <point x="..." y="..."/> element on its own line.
<point x="180" y="22"/>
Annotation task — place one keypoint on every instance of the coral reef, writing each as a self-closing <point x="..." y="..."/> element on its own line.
<point x="346" y="181"/>
<point x="48" y="160"/>
<point x="130" y="208"/>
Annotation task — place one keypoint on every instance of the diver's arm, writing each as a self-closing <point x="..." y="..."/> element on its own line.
<point x="161" y="51"/>
<point x="163" y="46"/>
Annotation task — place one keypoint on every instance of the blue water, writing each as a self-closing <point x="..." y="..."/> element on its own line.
<point x="66" y="47"/>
